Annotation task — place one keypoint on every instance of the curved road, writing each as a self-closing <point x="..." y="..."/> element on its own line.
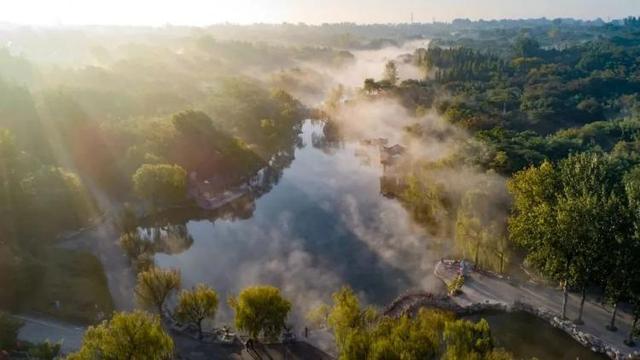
<point x="479" y="288"/>
<point x="38" y="329"/>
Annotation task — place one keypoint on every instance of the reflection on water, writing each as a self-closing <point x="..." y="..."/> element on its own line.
<point x="322" y="225"/>
<point x="527" y="337"/>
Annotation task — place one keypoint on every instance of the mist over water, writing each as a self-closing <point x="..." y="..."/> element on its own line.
<point x="324" y="225"/>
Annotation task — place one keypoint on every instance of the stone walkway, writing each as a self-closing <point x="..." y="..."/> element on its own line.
<point x="479" y="288"/>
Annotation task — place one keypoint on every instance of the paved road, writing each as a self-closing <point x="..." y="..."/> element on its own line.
<point x="38" y="329"/>
<point x="480" y="288"/>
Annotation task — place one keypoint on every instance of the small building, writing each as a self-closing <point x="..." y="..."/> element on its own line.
<point x="390" y="154"/>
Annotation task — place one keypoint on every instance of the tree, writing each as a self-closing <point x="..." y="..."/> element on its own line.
<point x="128" y="220"/>
<point x="480" y="230"/>
<point x="565" y="216"/>
<point x="9" y="328"/>
<point x="137" y="335"/>
<point x="260" y="310"/>
<point x="370" y="86"/>
<point x="194" y="306"/>
<point x="632" y="189"/>
<point x="391" y="73"/>
<point x="466" y="340"/>
<point x="430" y="334"/>
<point x="526" y="47"/>
<point x="346" y="315"/>
<point x="45" y="350"/>
<point x="134" y="245"/>
<point x="192" y="123"/>
<point x="160" y="183"/>
<point x="155" y="286"/>
<point x="403" y="338"/>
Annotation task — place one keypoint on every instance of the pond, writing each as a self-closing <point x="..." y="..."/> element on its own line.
<point x="527" y="336"/>
<point x="322" y="225"/>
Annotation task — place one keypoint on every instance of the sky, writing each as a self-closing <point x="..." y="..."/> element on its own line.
<point x="205" y="12"/>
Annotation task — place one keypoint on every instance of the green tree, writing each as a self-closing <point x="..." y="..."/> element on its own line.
<point x="160" y="183"/>
<point x="192" y="123"/>
<point x="466" y="340"/>
<point x="526" y="46"/>
<point x="137" y="335"/>
<point x="155" y="286"/>
<point x="481" y="230"/>
<point x="391" y="72"/>
<point x="632" y="189"/>
<point x="430" y="334"/>
<point x="566" y="216"/>
<point x="194" y="306"/>
<point x="134" y="245"/>
<point x="346" y="314"/>
<point x="260" y="311"/>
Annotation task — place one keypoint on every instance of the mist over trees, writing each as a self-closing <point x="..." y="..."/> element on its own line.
<point x="101" y="115"/>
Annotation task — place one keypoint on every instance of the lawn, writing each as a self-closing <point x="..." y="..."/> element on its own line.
<point x="68" y="285"/>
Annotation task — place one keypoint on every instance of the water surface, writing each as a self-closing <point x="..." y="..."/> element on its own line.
<point x="324" y="224"/>
<point x="527" y="336"/>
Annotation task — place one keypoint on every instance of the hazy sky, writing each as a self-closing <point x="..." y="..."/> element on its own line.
<point x="202" y="12"/>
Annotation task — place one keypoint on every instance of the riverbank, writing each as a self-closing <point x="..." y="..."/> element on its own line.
<point x="487" y="292"/>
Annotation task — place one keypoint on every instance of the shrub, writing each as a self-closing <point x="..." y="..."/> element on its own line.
<point x="455" y="285"/>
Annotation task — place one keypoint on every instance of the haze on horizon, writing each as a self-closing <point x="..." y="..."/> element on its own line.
<point x="198" y="13"/>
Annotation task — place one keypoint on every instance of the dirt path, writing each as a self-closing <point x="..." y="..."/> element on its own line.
<point x="479" y="288"/>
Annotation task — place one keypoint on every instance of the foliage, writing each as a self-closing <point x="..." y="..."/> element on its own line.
<point x="425" y="199"/>
<point x="480" y="232"/>
<point x="9" y="328"/>
<point x="570" y="218"/>
<point x="135" y="335"/>
<point x="45" y="350"/>
<point x="391" y="73"/>
<point x="161" y="183"/>
<point x="430" y="334"/>
<point x="155" y="286"/>
<point x="196" y="305"/>
<point x="260" y="311"/>
<point x="466" y="340"/>
<point x="128" y="221"/>
<point x="346" y="314"/>
<point x="455" y="285"/>
<point x="134" y="245"/>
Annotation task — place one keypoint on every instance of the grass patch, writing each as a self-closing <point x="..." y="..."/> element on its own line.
<point x="74" y="278"/>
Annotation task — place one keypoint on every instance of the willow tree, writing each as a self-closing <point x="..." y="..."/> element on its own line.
<point x="155" y="286"/>
<point x="136" y="335"/>
<point x="194" y="306"/>
<point x="260" y="311"/>
<point x="481" y="229"/>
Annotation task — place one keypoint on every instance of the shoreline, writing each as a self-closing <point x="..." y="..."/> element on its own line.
<point x="472" y="301"/>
